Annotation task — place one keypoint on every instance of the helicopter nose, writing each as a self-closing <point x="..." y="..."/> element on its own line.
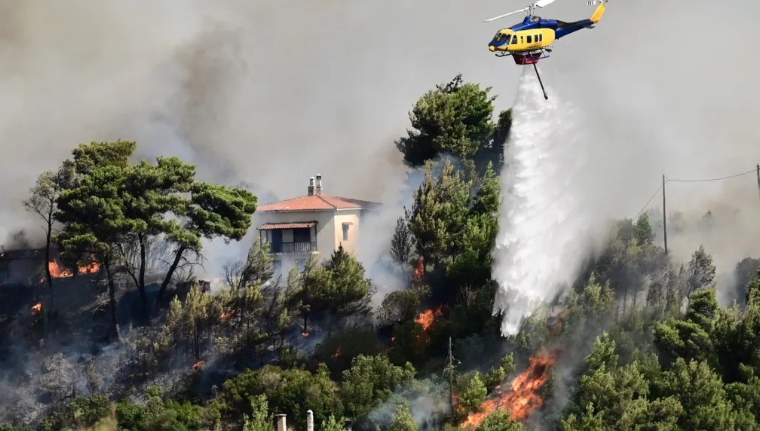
<point x="492" y="48"/>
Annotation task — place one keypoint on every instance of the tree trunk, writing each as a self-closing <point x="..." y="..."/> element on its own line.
<point x="177" y="258"/>
<point x="48" y="236"/>
<point x="141" y="277"/>
<point x="114" y="332"/>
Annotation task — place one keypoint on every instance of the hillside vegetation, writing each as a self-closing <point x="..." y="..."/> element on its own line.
<point x="640" y="343"/>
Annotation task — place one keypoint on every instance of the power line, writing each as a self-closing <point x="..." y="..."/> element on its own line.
<point x="649" y="201"/>
<point x="713" y="179"/>
<point x="668" y="180"/>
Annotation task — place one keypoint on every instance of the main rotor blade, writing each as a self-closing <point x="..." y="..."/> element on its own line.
<point x="507" y="14"/>
<point x="544" y="3"/>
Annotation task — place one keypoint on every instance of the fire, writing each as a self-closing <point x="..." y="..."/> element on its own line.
<point x="58" y="271"/>
<point x="337" y="354"/>
<point x="427" y="318"/>
<point x="92" y="268"/>
<point x="36" y="309"/>
<point x="304" y="334"/>
<point x="523" y="397"/>
<point x="198" y="365"/>
<point x="418" y="278"/>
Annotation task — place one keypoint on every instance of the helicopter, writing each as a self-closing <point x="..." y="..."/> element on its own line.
<point x="532" y="39"/>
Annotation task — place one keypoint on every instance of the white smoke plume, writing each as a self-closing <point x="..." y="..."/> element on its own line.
<point x="546" y="221"/>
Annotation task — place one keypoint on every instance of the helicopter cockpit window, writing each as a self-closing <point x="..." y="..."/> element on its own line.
<point x="501" y="38"/>
<point x="514" y="39"/>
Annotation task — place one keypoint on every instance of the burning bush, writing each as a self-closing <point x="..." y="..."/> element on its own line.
<point x="524" y="394"/>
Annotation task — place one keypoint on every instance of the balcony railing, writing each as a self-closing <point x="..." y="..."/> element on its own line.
<point x="294" y="247"/>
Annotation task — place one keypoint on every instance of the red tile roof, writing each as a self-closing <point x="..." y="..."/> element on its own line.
<point x="293" y="225"/>
<point x="318" y="203"/>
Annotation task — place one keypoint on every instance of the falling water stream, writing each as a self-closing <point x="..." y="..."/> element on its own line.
<point x="541" y="241"/>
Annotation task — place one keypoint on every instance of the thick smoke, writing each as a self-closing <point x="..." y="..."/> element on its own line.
<point x="652" y="109"/>
<point x="266" y="92"/>
<point x="269" y="92"/>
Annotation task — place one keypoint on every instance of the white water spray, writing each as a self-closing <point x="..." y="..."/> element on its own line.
<point x="544" y="226"/>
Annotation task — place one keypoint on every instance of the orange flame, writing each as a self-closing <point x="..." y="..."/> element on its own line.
<point x="427" y="318"/>
<point x="36" y="309"/>
<point x="337" y="354"/>
<point x="418" y="278"/>
<point x="304" y="334"/>
<point x="198" y="365"/>
<point x="91" y="268"/>
<point x="523" y="397"/>
<point x="57" y="271"/>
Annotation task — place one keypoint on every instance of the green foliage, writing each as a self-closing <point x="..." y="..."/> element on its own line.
<point x="498" y="374"/>
<point x="402" y="243"/>
<point x="642" y="363"/>
<point x="338" y="287"/>
<point x="403" y="420"/>
<point x="260" y="419"/>
<point x="160" y="415"/>
<point x="471" y="391"/>
<point x="333" y="424"/>
<point x="454" y="118"/>
<point x="493" y="152"/>
<point x="440" y="210"/>
<point x="700" y="273"/>
<point x="691" y="338"/>
<point x="499" y="421"/>
<point x="702" y="395"/>
<point x="339" y="350"/>
<point x="401" y="305"/>
<point x="370" y="380"/>
<point x="81" y="412"/>
<point x="286" y="391"/>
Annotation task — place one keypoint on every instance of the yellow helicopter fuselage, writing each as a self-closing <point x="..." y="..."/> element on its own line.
<point x="524" y="40"/>
<point x="536" y="33"/>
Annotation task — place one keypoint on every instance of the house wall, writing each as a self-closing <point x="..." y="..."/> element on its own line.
<point x="325" y="235"/>
<point x="325" y="229"/>
<point x="347" y="216"/>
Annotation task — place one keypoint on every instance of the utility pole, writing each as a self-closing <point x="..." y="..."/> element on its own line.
<point x="665" y="215"/>
<point x="758" y="176"/>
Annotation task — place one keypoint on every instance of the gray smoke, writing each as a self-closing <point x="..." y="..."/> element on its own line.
<point x="269" y="92"/>
<point x="650" y="108"/>
<point x="258" y="91"/>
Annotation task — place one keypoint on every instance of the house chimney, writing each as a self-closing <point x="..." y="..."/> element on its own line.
<point x="309" y="420"/>
<point x="281" y="425"/>
<point x="318" y="188"/>
<point x="311" y="186"/>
